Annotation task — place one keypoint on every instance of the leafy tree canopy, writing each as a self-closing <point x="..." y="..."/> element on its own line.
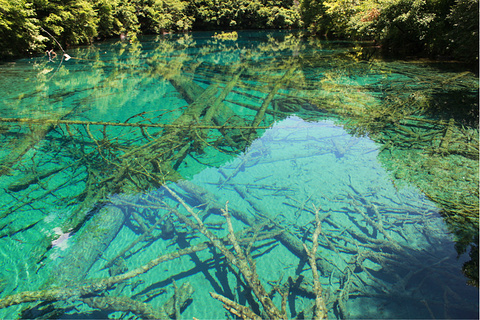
<point x="439" y="28"/>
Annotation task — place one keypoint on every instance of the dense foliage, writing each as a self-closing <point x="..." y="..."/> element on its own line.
<point x="246" y="14"/>
<point x="439" y="28"/>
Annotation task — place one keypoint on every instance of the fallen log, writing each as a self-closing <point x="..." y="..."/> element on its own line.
<point x="90" y="243"/>
<point x="123" y="124"/>
<point x="243" y="262"/>
<point x="290" y="241"/>
<point x="144" y="310"/>
<point x="92" y="286"/>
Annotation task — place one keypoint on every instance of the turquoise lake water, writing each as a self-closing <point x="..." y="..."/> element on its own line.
<point x="107" y="154"/>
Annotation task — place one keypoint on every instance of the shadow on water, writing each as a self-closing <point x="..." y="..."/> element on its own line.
<point x="260" y="175"/>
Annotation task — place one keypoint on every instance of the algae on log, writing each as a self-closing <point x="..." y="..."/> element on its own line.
<point x="221" y="114"/>
<point x="90" y="243"/>
<point x="145" y="311"/>
<point x="21" y="148"/>
<point x="146" y="161"/>
<point x="291" y="242"/>
<point x="29" y="141"/>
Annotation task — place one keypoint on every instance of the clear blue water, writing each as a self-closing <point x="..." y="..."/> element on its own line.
<point x="83" y="199"/>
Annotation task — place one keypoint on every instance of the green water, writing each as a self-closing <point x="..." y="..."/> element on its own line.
<point x="270" y="127"/>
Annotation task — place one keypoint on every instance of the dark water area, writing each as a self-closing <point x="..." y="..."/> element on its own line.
<point x="188" y="175"/>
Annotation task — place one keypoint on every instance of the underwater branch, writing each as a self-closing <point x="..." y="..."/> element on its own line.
<point x="123" y="124"/>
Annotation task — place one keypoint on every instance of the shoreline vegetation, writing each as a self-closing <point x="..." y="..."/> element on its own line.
<point x="435" y="29"/>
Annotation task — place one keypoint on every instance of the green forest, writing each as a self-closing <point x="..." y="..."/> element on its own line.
<point x="439" y="29"/>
